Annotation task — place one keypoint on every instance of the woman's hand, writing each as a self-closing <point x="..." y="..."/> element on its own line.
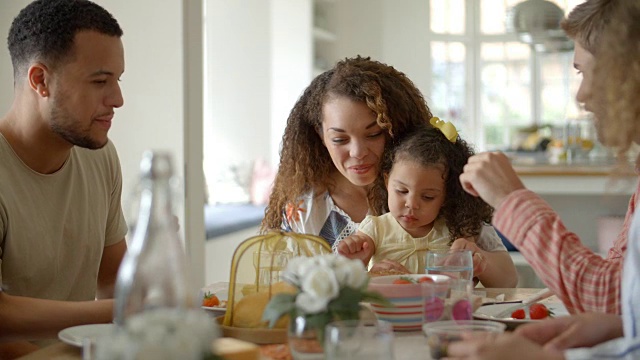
<point x="490" y="176"/>
<point x="581" y="330"/>
<point x="503" y="346"/>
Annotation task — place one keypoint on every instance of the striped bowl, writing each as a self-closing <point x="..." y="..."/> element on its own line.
<point x="406" y="314"/>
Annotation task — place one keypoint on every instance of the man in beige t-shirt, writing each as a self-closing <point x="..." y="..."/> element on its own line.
<point x="61" y="223"/>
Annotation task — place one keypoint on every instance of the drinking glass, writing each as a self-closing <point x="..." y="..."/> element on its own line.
<point x="457" y="264"/>
<point x="269" y="265"/>
<point x="362" y="339"/>
<point x="447" y="300"/>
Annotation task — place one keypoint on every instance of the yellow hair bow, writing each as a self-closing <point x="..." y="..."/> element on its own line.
<point x="446" y="128"/>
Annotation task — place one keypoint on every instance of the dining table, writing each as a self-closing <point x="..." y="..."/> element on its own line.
<point x="406" y="344"/>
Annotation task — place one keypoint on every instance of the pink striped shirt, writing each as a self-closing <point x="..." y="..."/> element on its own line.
<point x="583" y="280"/>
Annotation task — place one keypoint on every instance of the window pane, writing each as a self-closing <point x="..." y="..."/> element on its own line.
<point x="447" y="16"/>
<point x="567" y="5"/>
<point x="493" y="14"/>
<point x="449" y="83"/>
<point x="505" y="93"/>
<point x="559" y="84"/>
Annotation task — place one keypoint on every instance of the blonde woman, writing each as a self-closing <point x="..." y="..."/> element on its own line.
<point x="592" y="335"/>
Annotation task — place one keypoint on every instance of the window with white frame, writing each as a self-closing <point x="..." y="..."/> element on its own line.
<point x="487" y="82"/>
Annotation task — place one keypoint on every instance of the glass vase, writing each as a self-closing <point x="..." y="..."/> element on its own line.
<point x="304" y="339"/>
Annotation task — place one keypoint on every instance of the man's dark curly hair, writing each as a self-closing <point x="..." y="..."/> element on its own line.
<point x="427" y="146"/>
<point x="45" y="30"/>
<point x="305" y="163"/>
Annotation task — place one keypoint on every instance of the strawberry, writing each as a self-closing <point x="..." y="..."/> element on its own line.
<point x="425" y="279"/>
<point x="539" y="311"/>
<point x="210" y="300"/>
<point x="518" y="314"/>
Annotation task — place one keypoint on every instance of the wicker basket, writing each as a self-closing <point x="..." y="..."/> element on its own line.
<point x="256" y="267"/>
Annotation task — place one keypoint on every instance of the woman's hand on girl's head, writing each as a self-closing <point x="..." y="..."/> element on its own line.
<point x="479" y="261"/>
<point x="357" y="246"/>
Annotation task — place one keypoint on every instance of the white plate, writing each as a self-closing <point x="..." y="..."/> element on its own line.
<point x="222" y="295"/>
<point x="488" y="312"/>
<point x="74" y="335"/>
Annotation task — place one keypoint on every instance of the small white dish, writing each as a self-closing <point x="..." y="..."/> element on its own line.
<point x="221" y="290"/>
<point x="489" y="312"/>
<point x="222" y="295"/>
<point x="76" y="334"/>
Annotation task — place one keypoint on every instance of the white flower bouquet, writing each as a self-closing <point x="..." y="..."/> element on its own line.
<point x="330" y="287"/>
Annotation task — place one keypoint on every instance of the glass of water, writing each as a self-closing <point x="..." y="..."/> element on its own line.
<point x="364" y="339"/>
<point x="270" y="265"/>
<point x="457" y="264"/>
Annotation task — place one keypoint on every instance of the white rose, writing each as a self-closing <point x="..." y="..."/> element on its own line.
<point x="351" y="272"/>
<point x="296" y="270"/>
<point x="328" y="260"/>
<point x="319" y="283"/>
<point x="311" y="305"/>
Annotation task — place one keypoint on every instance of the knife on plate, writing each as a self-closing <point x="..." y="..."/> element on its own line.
<point x="542" y="294"/>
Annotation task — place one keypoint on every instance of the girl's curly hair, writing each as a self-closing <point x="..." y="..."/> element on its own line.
<point x="305" y="163"/>
<point x="463" y="213"/>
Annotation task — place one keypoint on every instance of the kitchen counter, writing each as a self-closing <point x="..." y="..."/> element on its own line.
<point x="572" y="170"/>
<point x="585" y="177"/>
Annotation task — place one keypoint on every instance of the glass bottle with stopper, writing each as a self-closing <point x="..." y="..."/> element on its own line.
<point x="153" y="273"/>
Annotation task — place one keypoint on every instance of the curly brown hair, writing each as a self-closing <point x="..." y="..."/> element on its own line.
<point x="617" y="72"/>
<point x="464" y="214"/>
<point x="305" y="163"/>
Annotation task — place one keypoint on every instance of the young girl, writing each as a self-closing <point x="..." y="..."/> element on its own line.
<point x="428" y="207"/>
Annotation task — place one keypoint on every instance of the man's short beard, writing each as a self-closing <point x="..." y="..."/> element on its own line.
<point x="72" y="134"/>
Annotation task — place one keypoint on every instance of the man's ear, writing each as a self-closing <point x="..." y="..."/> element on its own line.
<point x="38" y="75"/>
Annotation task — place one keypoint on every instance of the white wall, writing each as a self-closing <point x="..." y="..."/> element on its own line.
<point x="405" y="45"/>
<point x="387" y="31"/>
<point x="238" y="63"/>
<point x="8" y="10"/>
<point x="290" y="65"/>
<point x="358" y="28"/>
<point x="153" y="85"/>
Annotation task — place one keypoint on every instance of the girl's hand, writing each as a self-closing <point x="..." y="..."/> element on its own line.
<point x="479" y="261"/>
<point x="357" y="246"/>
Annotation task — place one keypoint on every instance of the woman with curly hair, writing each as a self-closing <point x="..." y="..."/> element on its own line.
<point x="428" y="207"/>
<point x="337" y="134"/>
